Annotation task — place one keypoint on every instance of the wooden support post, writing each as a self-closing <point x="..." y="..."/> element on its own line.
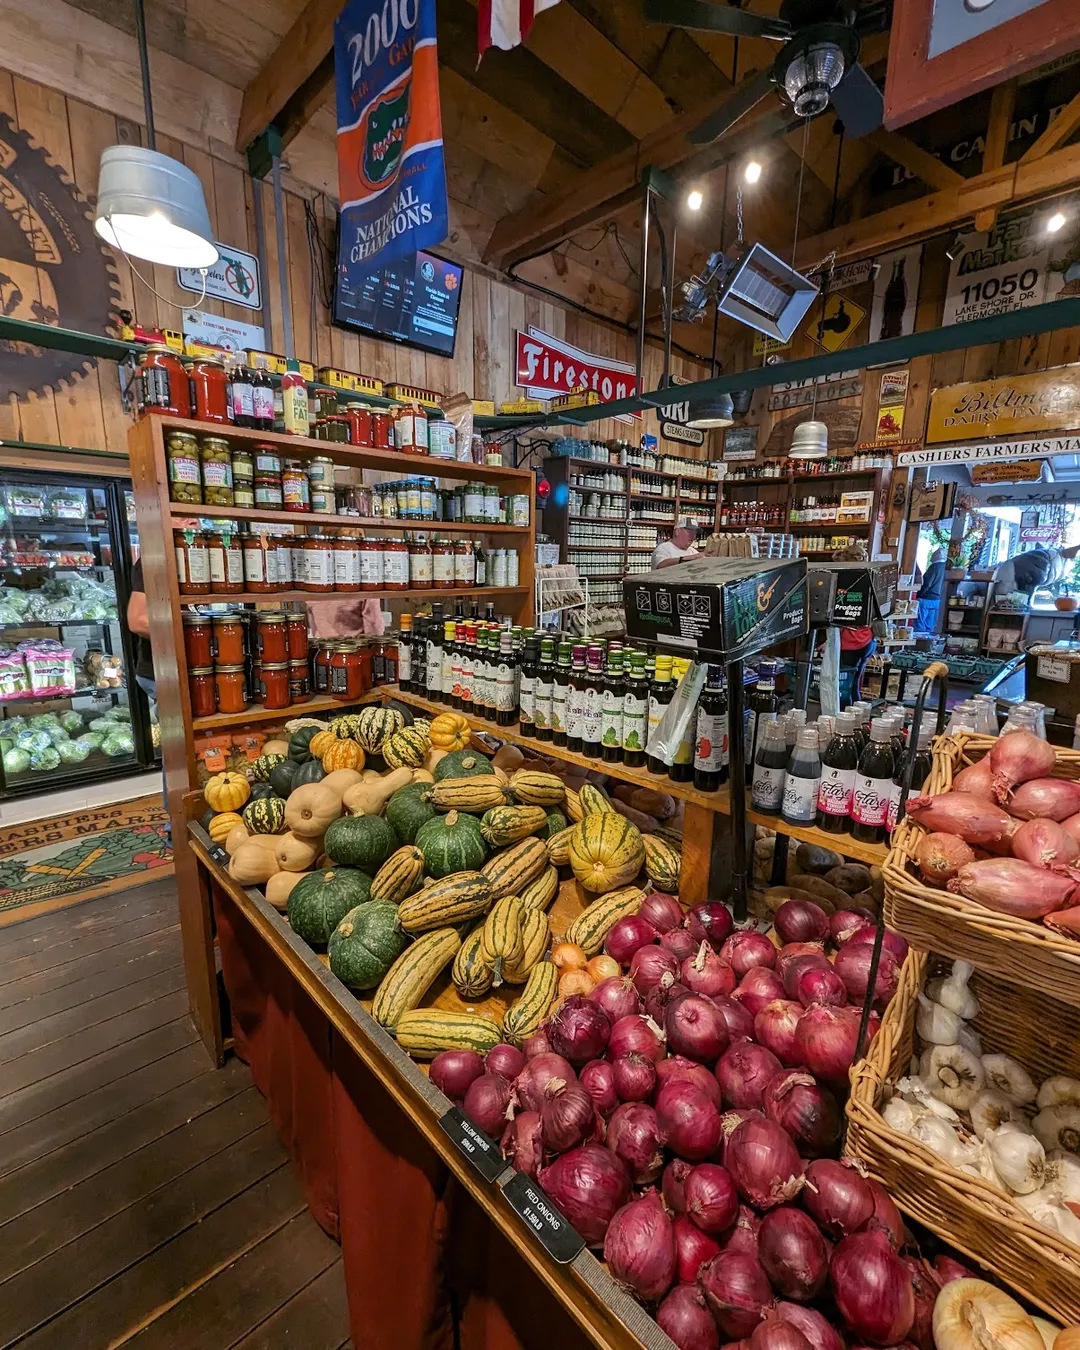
<point x="699" y="823"/>
<point x="997" y="140"/>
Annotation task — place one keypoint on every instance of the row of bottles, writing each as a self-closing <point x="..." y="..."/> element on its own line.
<point x="741" y="515"/>
<point x="642" y="536"/>
<point x="661" y="512"/>
<point x="650" y="485"/>
<point x="816" y="508"/>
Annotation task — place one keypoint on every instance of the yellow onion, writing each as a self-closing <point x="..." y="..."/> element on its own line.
<point x="1069" y="1339"/>
<point x="974" y="1315"/>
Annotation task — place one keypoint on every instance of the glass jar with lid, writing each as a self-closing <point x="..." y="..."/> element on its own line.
<point x="371" y="563"/>
<point x="346" y="670"/>
<point x="493" y="507"/>
<point x="299" y="681"/>
<point x="411" y="430"/>
<point x="298" y="636"/>
<point x="320" y="665"/>
<point x="294" y="486"/>
<point x="226" y="563"/>
<point x="429" y="496"/>
<point x="268" y="492"/>
<point x="271" y="636"/>
<point x="474" y="509"/>
<point x="326" y="402"/>
<point x="337" y="429"/>
<point x="182" y="465"/>
<point x="259" y="562"/>
<point x="421" y="575"/>
<point x="395" y="565"/>
<point x="282" y="555"/>
<point x="217" y="480"/>
<point x="402" y="490"/>
<point x="228" y="638"/>
<point x="230" y="683"/>
<point x="381" y="429"/>
<point x="202" y="690"/>
<point x="163" y="385"/>
<point x="198" y="639"/>
<point x="359" y="418"/>
<point x="243" y="467"/>
<point x="318" y="563"/>
<point x="209" y="390"/>
<point x="271" y="680"/>
<point x="347" y="570"/>
<point x="192" y="562"/>
<point x="297" y="561"/>
<point x="442" y="564"/>
<point x="267" y="459"/>
<point x="464" y="563"/>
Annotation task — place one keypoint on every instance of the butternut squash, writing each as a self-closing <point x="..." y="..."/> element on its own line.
<point x="423" y="776"/>
<point x="279" y="887"/>
<point x="237" y="835"/>
<point x="252" y="865"/>
<point x="370" y="798"/>
<point x="341" y="780"/>
<point x="297" y="854"/>
<point x="433" y="756"/>
<point x="311" y="808"/>
<point x="370" y="775"/>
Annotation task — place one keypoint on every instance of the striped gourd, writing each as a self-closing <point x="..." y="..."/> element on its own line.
<point x="539" y="894"/>
<point x="465" y="895"/>
<point x="502" y="935"/>
<point x="413" y="974"/>
<point x="524" y="1017"/>
<point x="504" y="825"/>
<point x="534" y="788"/>
<point x="471" y="974"/>
<point x="347" y="727"/>
<point x="535" y="937"/>
<point x="375" y="725"/>
<point x="475" y="795"/>
<point x="266" y="815"/>
<point x="513" y="868"/>
<point x="672" y="833"/>
<point x="558" y="846"/>
<point x="662" y="861"/>
<point x="593" y="799"/>
<point x="405" y="749"/>
<point x="259" y="770"/>
<point x="592" y="925"/>
<point x="223" y="824"/>
<point x="427" y="1032"/>
<point x="399" y="875"/>
<point x="574" y="808"/>
<point x="606" y="851"/>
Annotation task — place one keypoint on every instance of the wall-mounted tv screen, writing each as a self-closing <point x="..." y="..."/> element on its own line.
<point x="414" y="301"/>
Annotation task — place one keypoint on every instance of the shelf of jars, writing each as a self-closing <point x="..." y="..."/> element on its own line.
<point x="315" y="705"/>
<point x="394" y="524"/>
<point x="374" y="593"/>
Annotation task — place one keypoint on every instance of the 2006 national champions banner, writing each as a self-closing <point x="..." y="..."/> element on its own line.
<point x="391" y="173"/>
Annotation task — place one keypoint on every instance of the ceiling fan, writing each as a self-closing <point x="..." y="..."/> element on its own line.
<point x="818" y="63"/>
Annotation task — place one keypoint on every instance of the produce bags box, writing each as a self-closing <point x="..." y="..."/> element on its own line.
<point x="864" y="591"/>
<point x="729" y="607"/>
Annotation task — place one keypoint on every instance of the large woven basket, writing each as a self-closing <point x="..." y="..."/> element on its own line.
<point x="1020" y="950"/>
<point x="970" y="1213"/>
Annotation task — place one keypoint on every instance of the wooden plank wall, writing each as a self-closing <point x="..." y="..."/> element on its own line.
<point x="88" y="412"/>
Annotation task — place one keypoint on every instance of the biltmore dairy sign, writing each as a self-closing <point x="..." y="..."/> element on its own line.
<point x="1019" y="405"/>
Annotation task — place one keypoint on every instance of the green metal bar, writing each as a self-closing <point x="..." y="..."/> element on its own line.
<point x="66" y="339"/>
<point x="67" y="449"/>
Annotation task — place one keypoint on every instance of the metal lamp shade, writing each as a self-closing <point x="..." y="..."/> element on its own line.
<point x="811" y="441"/>
<point x="709" y="413"/>
<point x="152" y="207"/>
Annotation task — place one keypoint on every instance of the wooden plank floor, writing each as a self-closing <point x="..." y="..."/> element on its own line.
<point x="145" y="1200"/>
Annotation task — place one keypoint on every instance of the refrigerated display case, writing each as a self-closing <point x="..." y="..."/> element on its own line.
<point x="71" y="712"/>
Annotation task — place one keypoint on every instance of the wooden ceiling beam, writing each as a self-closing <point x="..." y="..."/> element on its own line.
<point x="1059" y="131"/>
<point x="920" y="162"/>
<point x="295" y="80"/>
<point x="1002" y="103"/>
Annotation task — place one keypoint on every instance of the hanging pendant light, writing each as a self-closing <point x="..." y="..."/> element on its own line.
<point x="811" y="441"/>
<point x="149" y="205"/>
<point x="711" y="412"/>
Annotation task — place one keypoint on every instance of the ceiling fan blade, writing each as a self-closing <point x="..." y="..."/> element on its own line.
<point x="858" y="103"/>
<point x="737" y="106"/>
<point x="716" y="18"/>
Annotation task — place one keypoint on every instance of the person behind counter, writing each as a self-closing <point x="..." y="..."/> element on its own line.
<point x="928" y="597"/>
<point x="679" y="547"/>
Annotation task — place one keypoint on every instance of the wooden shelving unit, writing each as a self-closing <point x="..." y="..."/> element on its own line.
<point x="784" y="491"/>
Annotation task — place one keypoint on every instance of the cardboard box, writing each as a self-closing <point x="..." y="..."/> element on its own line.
<point x="719" y="608"/>
<point x="1052" y="676"/>
<point x="855" y="508"/>
<point x="864" y="592"/>
<point x="483" y="407"/>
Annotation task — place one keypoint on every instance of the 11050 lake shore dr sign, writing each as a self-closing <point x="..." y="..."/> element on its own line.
<point x="1021" y="404"/>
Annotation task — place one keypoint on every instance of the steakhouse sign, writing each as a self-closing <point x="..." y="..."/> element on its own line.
<point x="547" y="367"/>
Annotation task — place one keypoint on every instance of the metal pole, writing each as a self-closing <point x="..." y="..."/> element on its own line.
<point x="260" y="248"/>
<point x="803" y="696"/>
<point x="669" y="281"/>
<point x="645" y="224"/>
<point x="736" y="787"/>
<point x="144" y="67"/>
<point x="282" y="258"/>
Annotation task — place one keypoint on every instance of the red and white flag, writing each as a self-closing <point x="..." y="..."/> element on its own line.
<point x="506" y="23"/>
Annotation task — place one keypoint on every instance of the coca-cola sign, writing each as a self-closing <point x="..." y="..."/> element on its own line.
<point x="547" y="367"/>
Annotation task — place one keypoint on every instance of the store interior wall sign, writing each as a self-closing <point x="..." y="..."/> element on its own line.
<point x="1048" y="400"/>
<point x="896" y="293"/>
<point x="547" y="367"/>
<point x="988" y="451"/>
<point x="1023" y="471"/>
<point x="234" y="336"/>
<point x="1013" y="266"/>
<point x="234" y="277"/>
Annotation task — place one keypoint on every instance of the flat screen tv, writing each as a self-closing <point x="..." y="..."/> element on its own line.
<point x="413" y="301"/>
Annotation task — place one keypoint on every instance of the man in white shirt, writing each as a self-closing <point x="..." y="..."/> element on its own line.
<point x="678" y="547"/>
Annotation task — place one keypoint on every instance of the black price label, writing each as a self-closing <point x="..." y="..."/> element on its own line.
<point x="219" y="855"/>
<point x="543" y="1220"/>
<point x="479" y="1148"/>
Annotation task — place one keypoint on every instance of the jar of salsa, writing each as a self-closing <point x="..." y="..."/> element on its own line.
<point x="320" y="666"/>
<point x="359" y="419"/>
<point x="228" y="639"/>
<point x="198" y="646"/>
<point x="192" y="562"/>
<point x="442" y="564"/>
<point x="226" y="563"/>
<point x="411" y="430"/>
<point x="209" y="390"/>
<point x="371" y="564"/>
<point x="217" y="481"/>
<point x="346" y="671"/>
<point x="201" y="688"/>
<point x="231" y="685"/>
<point x="297" y="562"/>
<point x="299" y="681"/>
<point x="384" y="663"/>
<point x="318" y="563"/>
<point x="271" y="636"/>
<point x="347" y="575"/>
<point x="182" y="466"/>
<point x="395" y="560"/>
<point x="381" y="424"/>
<point x="296" y="625"/>
<point x="163" y="383"/>
<point x="272" y="684"/>
<point x="260" y="562"/>
<point x="294" y="486"/>
<point x="420" y="573"/>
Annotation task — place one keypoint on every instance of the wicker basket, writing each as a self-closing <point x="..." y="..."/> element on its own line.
<point x="1019" y="950"/>
<point x="970" y="1213"/>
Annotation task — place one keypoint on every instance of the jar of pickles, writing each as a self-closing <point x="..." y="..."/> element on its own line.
<point x="474" y="511"/>
<point x="182" y="465"/>
<point x="217" y="474"/>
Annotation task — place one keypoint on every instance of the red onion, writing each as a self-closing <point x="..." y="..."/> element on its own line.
<point x="454" y="1071"/>
<point x="806" y="1110"/>
<point x="947" y="1268"/>
<point x="660" y="995"/>
<point x="705" y="973"/>
<point x="825" y="1041"/>
<point x="634" y="1076"/>
<point x="1012" y="886"/>
<point x="710" y="922"/>
<point x="801" y="921"/>
<point x="845" y="923"/>
<point x="522" y="1145"/>
<point x="821" y="1333"/>
<point x="1050" y="798"/>
<point x="579" y="1029"/>
<point x="649" y="965"/>
<point x="852" y="964"/>
<point x="530" y="1083"/>
<point x="774" y="1027"/>
<point x="598" y="1080"/>
<point x="886" y="1217"/>
<point x="636" y="1035"/>
<point x="677" y="1069"/>
<point x="617" y="996"/>
<point x="764" y="1163"/>
<point x="793" y="951"/>
<point x="871" y="1287"/>
<point x="633" y="1136"/>
<point x="639" y="1247"/>
<point x="568" y="1117"/>
<point x="816" y="984"/>
<point x="684" y="1317"/>
<point x="890" y="942"/>
<point x="588" y="1185"/>
<point x="758" y="987"/>
<point x="773" y="1334"/>
<point x="791" y="970"/>
<point x="793" y="1252"/>
<point x="1065" y="921"/>
<point x="978" y="821"/>
<point x="689" y="1122"/>
<point x="626" y="935"/>
<point x="674" y="1184"/>
<point x="744" y="1071"/>
<point x="679" y="943"/>
<point x="837" y="1196"/>
<point x="695" y="1029"/>
<point x="729" y="1123"/>
<point x="743" y="1235"/>
<point x="692" y="1248"/>
<point x="941" y="856"/>
<point x="712" y="1201"/>
<point x="505" y="1059"/>
<point x="1071" y="826"/>
<point x="537" y="1044"/>
<point x="925" y="1286"/>
<point x="663" y="911"/>
<point x="747" y="950"/>
<point x="977" y="779"/>
<point x="1017" y="758"/>
<point x="737" y="1291"/>
<point x="738" y="1020"/>
<point x="1044" y="843"/>
<point x="487" y="1103"/>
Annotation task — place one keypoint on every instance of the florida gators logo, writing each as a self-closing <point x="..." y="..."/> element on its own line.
<point x="384" y="135"/>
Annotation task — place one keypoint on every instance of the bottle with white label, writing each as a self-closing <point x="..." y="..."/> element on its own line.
<point x="592" y="720"/>
<point x="527" y="687"/>
<point x="635" y="712"/>
<point x="449" y="656"/>
<point x="506" y="691"/>
<point x="613" y="696"/>
<point x="711" y="733"/>
<point x="839" y="762"/>
<point x="575" y="701"/>
<point x="545" y="673"/>
<point x="770" y="766"/>
<point x="404" y="648"/>
<point x="661" y="692"/>
<point x="873" y="785"/>
<point x="434" y="654"/>
<point x="803" y="776"/>
<point x="560" y="695"/>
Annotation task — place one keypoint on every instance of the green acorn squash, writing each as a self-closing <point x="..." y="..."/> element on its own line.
<point x="320" y="900"/>
<point x="462" y="764"/>
<point x="311" y="772"/>
<point x="365" y="944"/>
<point x="451" y="843"/>
<point x="282" y="775"/>
<point x="299" y="743"/>
<point x="360" y="841"/>
<point x="407" y="810"/>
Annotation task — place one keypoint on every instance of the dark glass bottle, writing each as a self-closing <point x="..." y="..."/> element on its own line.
<point x="661" y="692"/>
<point x="575" y="701"/>
<point x="405" y="654"/>
<point x="560" y="695"/>
<point x="434" y="657"/>
<point x="489" y="612"/>
<point x="545" y="675"/>
<point x="762" y="701"/>
<point x="242" y="397"/>
<point x="482" y="699"/>
<point x="802" y="780"/>
<point x="614" y="696"/>
<point x="592" y="722"/>
<point x="711" y="741"/>
<point x="506" y="703"/>
<point x="449" y="661"/>
<point x="262" y="401"/>
<point x="635" y="716"/>
<point x="419" y="655"/>
<point x="839" y="763"/>
<point x="924" y="762"/>
<point x="873" y="784"/>
<point x="770" y="766"/>
<point x="527" y="687"/>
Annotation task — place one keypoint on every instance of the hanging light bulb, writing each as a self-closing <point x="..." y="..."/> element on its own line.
<point x="810" y="441"/>
<point x="706" y="414"/>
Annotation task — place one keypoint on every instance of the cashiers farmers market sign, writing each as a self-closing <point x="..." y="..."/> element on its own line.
<point x="547" y="367"/>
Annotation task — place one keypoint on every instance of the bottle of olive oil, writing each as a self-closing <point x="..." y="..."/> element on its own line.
<point x="711" y="749"/>
<point x="661" y="692"/>
<point x="545" y="674"/>
<point x="611" y="737"/>
<point x="575" y="701"/>
<point x="592" y="722"/>
<point x="635" y="715"/>
<point x="527" y="687"/>
<point x="560" y="694"/>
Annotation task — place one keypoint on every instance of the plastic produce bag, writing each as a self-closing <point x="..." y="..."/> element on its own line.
<point x="829" y="679"/>
<point x="678" y="715"/>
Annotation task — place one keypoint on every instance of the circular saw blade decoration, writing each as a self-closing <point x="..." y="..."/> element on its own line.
<point x="53" y="268"/>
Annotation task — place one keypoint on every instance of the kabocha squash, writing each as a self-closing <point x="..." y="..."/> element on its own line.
<point x="318" y="745"/>
<point x="535" y="937"/>
<point x="266" y="816"/>
<point x="408" y="809"/>
<point x="311" y="809"/>
<point x="450" y="731"/>
<point x="471" y="974"/>
<point x="512" y="869"/>
<point x="592" y="925"/>
<point x="662" y="862"/>
<point x="535" y="788"/>
<point x="558" y="846"/>
<point x="370" y="796"/>
<point x="468" y="794"/>
<point x="341" y="755"/>
<point x="375" y="725"/>
<point x="365" y="944"/>
<point x="340" y="780"/>
<point x="593" y="799"/>
<point x="295" y="854"/>
<point x="413" y="974"/>
<point x="360" y="841"/>
<point x="279" y="888"/>
<point x="539" y="894"/>
<point x="606" y="851"/>
<point x="452" y="843"/>
<point x="227" y="791"/>
<point x="253" y="865"/>
<point x="282" y="775"/>
<point x="444" y="903"/>
<point x="502" y="935"/>
<point x="504" y="825"/>
<point x="220" y="827"/>
<point x="300" y="744"/>
<point x="237" y="835"/>
<point x="524" y="1017"/>
<point x="399" y="875"/>
<point x="427" y="1032"/>
<point x="463" y="764"/>
<point x="259" y="769"/>
<point x="574" y="808"/>
<point x="319" y="902"/>
<point x="405" y="749"/>
<point x="311" y="772"/>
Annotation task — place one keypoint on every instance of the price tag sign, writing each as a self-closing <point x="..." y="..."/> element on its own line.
<point x="1050" y="669"/>
<point x="219" y="855"/>
<point x="542" y="1219"/>
<point x="479" y="1148"/>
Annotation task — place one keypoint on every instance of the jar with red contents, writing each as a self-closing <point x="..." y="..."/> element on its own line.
<point x="296" y="625"/>
<point x="209" y="390"/>
<point x="198" y="640"/>
<point x="347" y="573"/>
<point x="163" y="382"/>
<point x="201" y="688"/>
<point x="226" y="563"/>
<point x="228" y="639"/>
<point x="271" y="644"/>
<point x="395" y="565"/>
<point x="295" y="490"/>
<point x="359" y="420"/>
<point x="320" y="666"/>
<point x="318" y="564"/>
<point x="272" y="684"/>
<point x="192" y="562"/>
<point x="231" y="685"/>
<point x="299" y="681"/>
<point x="346" y="671"/>
<point x="371" y="563"/>
<point x="260" y="563"/>
<point x="382" y="430"/>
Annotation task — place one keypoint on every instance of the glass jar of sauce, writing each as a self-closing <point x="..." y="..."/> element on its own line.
<point x="411" y="430"/>
<point x="299" y="681"/>
<point x="346" y="670"/>
<point x="359" y="419"/>
<point x="371" y="564"/>
<point x="420" y="571"/>
<point x="384" y="663"/>
<point x="228" y="640"/>
<point x="464" y="563"/>
<point x="192" y="562"/>
<point x="163" y="383"/>
<point x="283" y="562"/>
<point x="209" y="390"/>
<point x="201" y="688"/>
<point x="395" y="561"/>
<point x="442" y="564"/>
<point x="272" y="684"/>
<point x="318" y="563"/>
<point x="320" y="666"/>
<point x="182" y="466"/>
<point x="381" y="424"/>
<point x="296" y="625"/>
<point x="217" y="481"/>
<point x="297" y="561"/>
<point x="260" y="563"/>
<point x="198" y="641"/>
<point x="347" y="573"/>
<point x="226" y="564"/>
<point x="271" y="637"/>
<point x="231" y="685"/>
<point x="294" y="486"/>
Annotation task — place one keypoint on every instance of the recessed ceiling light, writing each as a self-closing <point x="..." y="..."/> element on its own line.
<point x="694" y="200"/>
<point x="1056" y="221"/>
<point x="752" y="172"/>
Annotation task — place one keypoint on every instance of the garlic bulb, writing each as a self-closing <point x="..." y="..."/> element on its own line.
<point x="992" y="1109"/>
<point x="1007" y="1076"/>
<point x="1059" y="1091"/>
<point x="936" y="1025"/>
<point x="1047" y="1330"/>
<point x="940" y="1136"/>
<point x="1051" y="1213"/>
<point x="954" y="994"/>
<point x="970" y="1039"/>
<point x="1063" y="1175"/>
<point x="987" y="1170"/>
<point x="954" y="1075"/>
<point x="914" y="1089"/>
<point x="1058" y="1127"/>
<point x="974" y="1315"/>
<point x="900" y="1115"/>
<point x="1018" y="1158"/>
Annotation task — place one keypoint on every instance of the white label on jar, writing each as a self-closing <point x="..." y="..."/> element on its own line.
<point x="474" y="504"/>
<point x="434" y="667"/>
<point x="835" y="791"/>
<point x="298" y="560"/>
<point x="347" y="567"/>
<point x="320" y="566"/>
<point x="234" y="564"/>
<point x="421" y="572"/>
<point x="442" y="567"/>
<point x="505" y="687"/>
<point x="217" y="564"/>
<point x="371" y="566"/>
<point x="395" y="570"/>
<point x="499" y="578"/>
<point x="182" y="469"/>
<point x="519" y="507"/>
<point x="634" y="722"/>
<point x="254" y="564"/>
<point x="767" y="792"/>
<point x="279" y="565"/>
<point x="870" y="802"/>
<point x="710" y="754"/>
<point x="420" y="435"/>
<point x="464" y="568"/>
<point x="403" y="431"/>
<point x="527" y="698"/>
<point x="542" y="715"/>
<point x="511" y="567"/>
<point x="800" y="800"/>
<point x="198" y="564"/>
<point x="611" y="726"/>
<point x="493" y="507"/>
<point x="181" y="565"/>
<point x="216" y="473"/>
<point x="592" y="716"/>
<point x="267" y="464"/>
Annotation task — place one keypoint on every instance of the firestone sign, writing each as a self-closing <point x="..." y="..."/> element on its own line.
<point x="547" y="367"/>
